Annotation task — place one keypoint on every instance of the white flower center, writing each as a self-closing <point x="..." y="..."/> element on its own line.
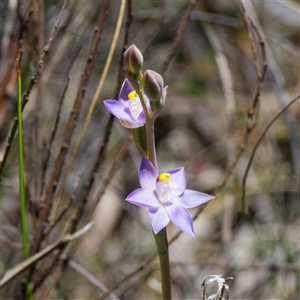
<point x="163" y="188"/>
<point x="134" y="104"/>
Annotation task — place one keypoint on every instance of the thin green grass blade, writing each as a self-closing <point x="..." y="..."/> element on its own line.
<point x="21" y="176"/>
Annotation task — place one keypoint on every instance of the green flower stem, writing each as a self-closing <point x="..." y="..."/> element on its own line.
<point x="140" y="138"/>
<point x="151" y="142"/>
<point x="161" y="237"/>
<point x="21" y="179"/>
<point x="21" y="172"/>
<point x="163" y="253"/>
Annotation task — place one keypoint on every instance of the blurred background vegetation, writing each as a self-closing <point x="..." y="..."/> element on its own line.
<point x="204" y="52"/>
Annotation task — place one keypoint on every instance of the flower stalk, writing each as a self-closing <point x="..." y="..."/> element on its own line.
<point x="161" y="239"/>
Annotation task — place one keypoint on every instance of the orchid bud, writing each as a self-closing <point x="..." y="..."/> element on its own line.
<point x="133" y="59"/>
<point x="153" y="85"/>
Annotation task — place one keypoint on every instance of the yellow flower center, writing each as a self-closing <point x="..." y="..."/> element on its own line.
<point x="164" y="177"/>
<point x="132" y="95"/>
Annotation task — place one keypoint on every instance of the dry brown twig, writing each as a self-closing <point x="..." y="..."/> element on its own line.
<point x="59" y="162"/>
<point x="115" y="166"/>
<point x="259" y="140"/>
<point x="125" y="46"/>
<point x="16" y="41"/>
<point x="54" y="130"/>
<point x="36" y="176"/>
<point x="92" y="105"/>
<point x="80" y="209"/>
<point x="252" y="113"/>
<point x="19" y="268"/>
<point x="43" y="226"/>
<point x="91" y="278"/>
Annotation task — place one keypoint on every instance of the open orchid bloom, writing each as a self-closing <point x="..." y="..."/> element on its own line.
<point x="128" y="108"/>
<point x="166" y="197"/>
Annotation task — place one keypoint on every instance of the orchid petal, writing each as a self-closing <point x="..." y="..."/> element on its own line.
<point x="181" y="218"/>
<point x="147" y="174"/>
<point x="159" y="218"/>
<point x="177" y="181"/>
<point x="130" y="123"/>
<point x="141" y="118"/>
<point x="144" y="198"/>
<point x="191" y="198"/>
<point x="125" y="90"/>
<point x="122" y="113"/>
<point x="164" y="95"/>
<point x="117" y="109"/>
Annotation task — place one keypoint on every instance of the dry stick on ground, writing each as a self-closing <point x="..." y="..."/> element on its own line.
<point x="72" y="122"/>
<point x="178" y="37"/>
<point x="33" y="80"/>
<point x="19" y="268"/>
<point x="279" y="113"/>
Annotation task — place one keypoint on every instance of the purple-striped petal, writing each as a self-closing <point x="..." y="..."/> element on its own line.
<point x="177" y="181"/>
<point x="125" y="90"/>
<point x="147" y="174"/>
<point x="144" y="198"/>
<point x="192" y="198"/>
<point x="159" y="218"/>
<point x="181" y="218"/>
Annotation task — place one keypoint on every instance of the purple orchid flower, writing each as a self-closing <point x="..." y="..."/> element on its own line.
<point x="128" y="108"/>
<point x="166" y="197"/>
